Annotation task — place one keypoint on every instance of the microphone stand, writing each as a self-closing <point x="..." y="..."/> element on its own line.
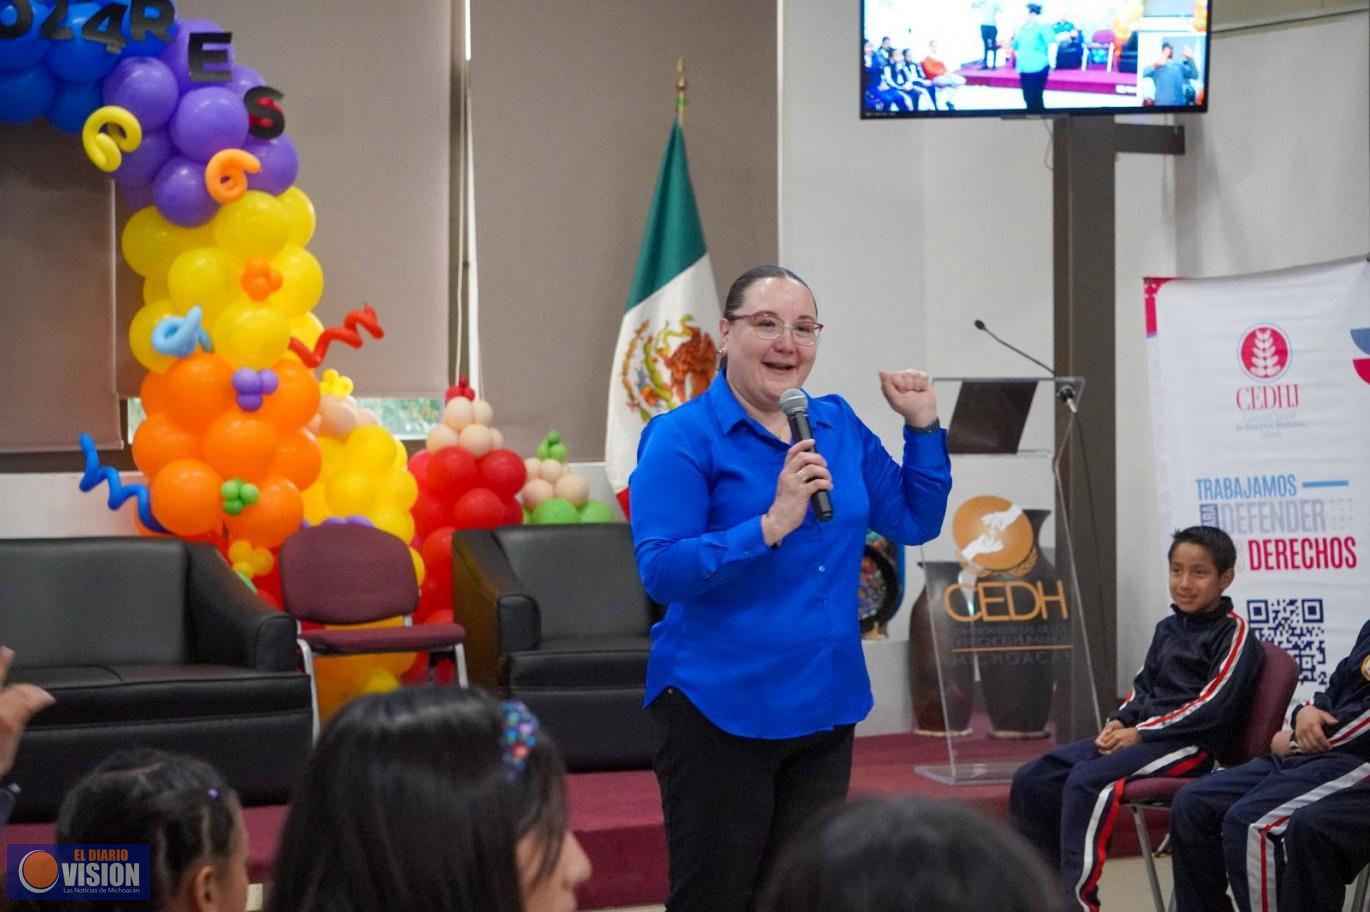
<point x="1067" y="394"/>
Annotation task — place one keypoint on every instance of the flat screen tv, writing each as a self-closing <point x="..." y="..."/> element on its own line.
<point x="955" y="58"/>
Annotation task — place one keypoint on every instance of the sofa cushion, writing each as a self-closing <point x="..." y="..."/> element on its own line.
<point x="94" y="601"/>
<point x="110" y="694"/>
<point x="566" y="663"/>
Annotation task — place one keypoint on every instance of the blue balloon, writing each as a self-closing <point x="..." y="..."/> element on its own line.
<point x="79" y="59"/>
<point x="26" y="50"/>
<point x="73" y="104"/>
<point x="151" y="45"/>
<point x="25" y="94"/>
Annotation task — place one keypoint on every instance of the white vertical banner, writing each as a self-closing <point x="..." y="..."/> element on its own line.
<point x="1261" y="393"/>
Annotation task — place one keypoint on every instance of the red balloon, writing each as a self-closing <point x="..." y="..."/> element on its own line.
<point x="443" y="616"/>
<point x="478" y="508"/>
<point x="430" y="513"/>
<point x="418" y="466"/>
<point x="503" y="472"/>
<point x="452" y="471"/>
<point x="433" y="597"/>
<point x="437" y="557"/>
<point x="513" y="513"/>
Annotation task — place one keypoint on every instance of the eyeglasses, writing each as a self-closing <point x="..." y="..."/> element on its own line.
<point x="769" y="327"/>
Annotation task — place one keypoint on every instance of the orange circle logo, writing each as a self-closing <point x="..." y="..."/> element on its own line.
<point x="992" y="533"/>
<point x="38" y="871"/>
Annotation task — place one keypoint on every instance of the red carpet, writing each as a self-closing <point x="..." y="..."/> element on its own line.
<point x="1096" y="80"/>
<point x="617" y="816"/>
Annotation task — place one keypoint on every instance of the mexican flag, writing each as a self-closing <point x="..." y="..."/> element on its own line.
<point x="666" y="353"/>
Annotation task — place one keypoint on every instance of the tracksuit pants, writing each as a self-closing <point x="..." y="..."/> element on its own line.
<point x="1285" y="833"/>
<point x="1068" y="801"/>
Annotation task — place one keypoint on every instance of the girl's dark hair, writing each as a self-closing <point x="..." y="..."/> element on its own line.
<point x="1215" y="541"/>
<point x="738" y="290"/>
<point x="909" y="855"/>
<point x="408" y="804"/>
<point x="180" y="807"/>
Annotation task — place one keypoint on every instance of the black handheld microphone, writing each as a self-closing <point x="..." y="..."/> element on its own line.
<point x="1066" y="393"/>
<point x="795" y="405"/>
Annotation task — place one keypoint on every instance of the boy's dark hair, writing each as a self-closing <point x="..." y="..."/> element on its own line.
<point x="180" y="807"/>
<point x="906" y="855"/>
<point x="407" y="804"/>
<point x="1212" y="539"/>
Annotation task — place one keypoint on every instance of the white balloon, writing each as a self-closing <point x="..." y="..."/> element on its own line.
<point x="536" y="492"/>
<point x="457" y="414"/>
<point x="574" y="488"/>
<point x="442" y="437"/>
<point x="482" y="412"/>
<point x="476" y="438"/>
<point x="552" y="469"/>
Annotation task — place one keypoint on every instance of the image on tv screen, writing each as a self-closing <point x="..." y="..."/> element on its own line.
<point x="933" y="58"/>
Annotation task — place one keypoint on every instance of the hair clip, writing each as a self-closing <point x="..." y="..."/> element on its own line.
<point x="213" y="794"/>
<point x="520" y="737"/>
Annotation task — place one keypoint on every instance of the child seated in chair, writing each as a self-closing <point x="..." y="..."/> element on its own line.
<point x="1184" y="706"/>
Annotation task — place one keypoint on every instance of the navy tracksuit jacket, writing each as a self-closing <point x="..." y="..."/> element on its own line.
<point x="1185" y="703"/>
<point x="1286" y="832"/>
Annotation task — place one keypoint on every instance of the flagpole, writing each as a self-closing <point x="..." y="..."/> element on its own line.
<point x="680" y="101"/>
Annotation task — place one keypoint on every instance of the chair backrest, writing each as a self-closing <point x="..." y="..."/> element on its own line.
<point x="346" y="573"/>
<point x="1270" y="697"/>
<point x="584" y="577"/>
<point x="1103" y="36"/>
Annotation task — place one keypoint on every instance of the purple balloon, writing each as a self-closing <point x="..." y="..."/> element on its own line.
<point x="137" y="197"/>
<point x="280" y="164"/>
<point x="180" y="193"/>
<point x="244" y="78"/>
<point x="139" y="167"/>
<point x="177" y="54"/>
<point x="208" y="121"/>
<point x="146" y="87"/>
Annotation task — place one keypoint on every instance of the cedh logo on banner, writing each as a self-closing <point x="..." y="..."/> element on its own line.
<point x="1362" y="339"/>
<point x="78" y="872"/>
<point x="1264" y="353"/>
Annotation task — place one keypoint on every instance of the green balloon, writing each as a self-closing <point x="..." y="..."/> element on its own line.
<point x="596" y="511"/>
<point x="554" y="511"/>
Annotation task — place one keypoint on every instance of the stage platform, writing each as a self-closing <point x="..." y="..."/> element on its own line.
<point x="1095" y="80"/>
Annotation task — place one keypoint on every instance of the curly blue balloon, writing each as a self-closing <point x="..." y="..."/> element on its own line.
<point x="119" y="493"/>
<point x="178" y="336"/>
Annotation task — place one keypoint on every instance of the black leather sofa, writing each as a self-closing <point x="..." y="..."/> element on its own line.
<point x="556" y="616"/>
<point x="148" y="643"/>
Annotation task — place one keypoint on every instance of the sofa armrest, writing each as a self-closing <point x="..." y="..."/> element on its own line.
<point x="492" y="603"/>
<point x="229" y="625"/>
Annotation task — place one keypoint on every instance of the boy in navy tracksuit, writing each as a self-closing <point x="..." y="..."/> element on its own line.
<point x="1290" y="829"/>
<point x="1185" y="703"/>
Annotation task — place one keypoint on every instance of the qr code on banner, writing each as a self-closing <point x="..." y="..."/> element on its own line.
<point x="1297" y="626"/>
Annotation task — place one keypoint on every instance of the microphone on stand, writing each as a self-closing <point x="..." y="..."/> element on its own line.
<point x="795" y="405"/>
<point x="1065" y="393"/>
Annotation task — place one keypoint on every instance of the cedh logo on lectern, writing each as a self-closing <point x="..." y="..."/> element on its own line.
<point x="85" y="872"/>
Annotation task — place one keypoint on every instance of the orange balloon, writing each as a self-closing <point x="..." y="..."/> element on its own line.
<point x="296" y="398"/>
<point x="159" y="440"/>
<point x="239" y="444"/>
<point x="198" y="389"/>
<point x="298" y="459"/>
<point x="275" y="516"/>
<point x="186" y="498"/>
<point x="153" y="392"/>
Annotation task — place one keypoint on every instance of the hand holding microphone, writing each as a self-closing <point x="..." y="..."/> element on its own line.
<point x="804" y="477"/>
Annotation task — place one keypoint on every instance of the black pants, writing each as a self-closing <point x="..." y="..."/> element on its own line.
<point x="989" y="34"/>
<point x="730" y="803"/>
<point x="1034" y="85"/>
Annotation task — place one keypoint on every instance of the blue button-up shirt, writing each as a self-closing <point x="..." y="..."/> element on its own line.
<point x="766" y="641"/>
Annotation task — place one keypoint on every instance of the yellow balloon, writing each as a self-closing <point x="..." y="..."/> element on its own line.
<point x="155" y="290"/>
<point x="420" y="570"/>
<point x="140" y="335"/>
<point x="250" y="335"/>
<point x="315" y="503"/>
<point x="401" y="456"/>
<point x="203" y="276"/>
<point x="334" y="458"/>
<point x="398" y="489"/>
<point x="302" y="282"/>
<point x="149" y="243"/>
<point x="351" y="493"/>
<point x="256" y="225"/>
<point x="395" y="521"/>
<point x="106" y="150"/>
<point x="307" y="329"/>
<point x="379" y="681"/>
<point x="301" y="213"/>
<point x="370" y="450"/>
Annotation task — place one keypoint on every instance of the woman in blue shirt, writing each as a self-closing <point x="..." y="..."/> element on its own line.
<point x="757" y="677"/>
